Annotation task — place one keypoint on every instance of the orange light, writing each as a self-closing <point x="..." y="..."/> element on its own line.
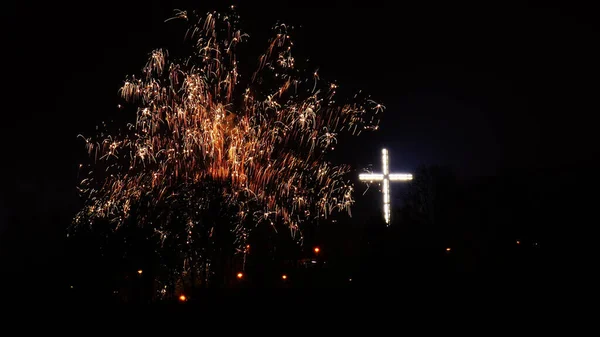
<point x="448" y="249"/>
<point x="182" y="298"/>
<point x="247" y="246"/>
<point x="140" y="272"/>
<point x="518" y="242"/>
<point x="284" y="277"/>
<point x="240" y="275"/>
<point x="317" y="250"/>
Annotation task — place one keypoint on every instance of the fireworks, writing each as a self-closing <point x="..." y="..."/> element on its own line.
<point x="211" y="151"/>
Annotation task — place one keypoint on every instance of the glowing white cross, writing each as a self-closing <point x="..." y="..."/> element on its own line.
<point x="386" y="177"/>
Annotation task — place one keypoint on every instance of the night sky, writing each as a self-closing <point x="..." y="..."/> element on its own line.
<point x="484" y="90"/>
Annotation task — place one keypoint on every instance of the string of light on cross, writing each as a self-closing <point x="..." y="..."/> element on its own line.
<point x="385" y="177"/>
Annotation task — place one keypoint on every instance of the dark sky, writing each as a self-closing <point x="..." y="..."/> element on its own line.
<point x="481" y="89"/>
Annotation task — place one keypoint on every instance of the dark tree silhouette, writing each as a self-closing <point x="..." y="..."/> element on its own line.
<point x="431" y="195"/>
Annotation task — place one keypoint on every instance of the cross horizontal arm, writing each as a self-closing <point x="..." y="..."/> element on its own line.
<point x="400" y="176"/>
<point x="370" y="176"/>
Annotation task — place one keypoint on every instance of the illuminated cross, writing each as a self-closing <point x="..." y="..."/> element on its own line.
<point x="386" y="177"/>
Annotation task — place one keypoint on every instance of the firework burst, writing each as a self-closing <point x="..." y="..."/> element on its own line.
<point x="211" y="151"/>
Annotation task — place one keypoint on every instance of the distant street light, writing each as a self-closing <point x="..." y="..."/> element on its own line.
<point x="284" y="277"/>
<point x="448" y="249"/>
<point x="182" y="298"/>
<point x="317" y="250"/>
<point x="240" y="275"/>
<point x="140" y="272"/>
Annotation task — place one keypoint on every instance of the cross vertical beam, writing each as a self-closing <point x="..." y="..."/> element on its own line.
<point x="385" y="177"/>
<point x="386" y="185"/>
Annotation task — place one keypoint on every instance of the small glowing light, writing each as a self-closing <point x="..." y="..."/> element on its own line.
<point x="240" y="275"/>
<point x="448" y="249"/>
<point x="140" y="272"/>
<point x="518" y="242"/>
<point x="350" y="280"/>
<point x="284" y="277"/>
<point x="71" y="287"/>
<point x="247" y="246"/>
<point x="182" y="298"/>
<point x="317" y="250"/>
